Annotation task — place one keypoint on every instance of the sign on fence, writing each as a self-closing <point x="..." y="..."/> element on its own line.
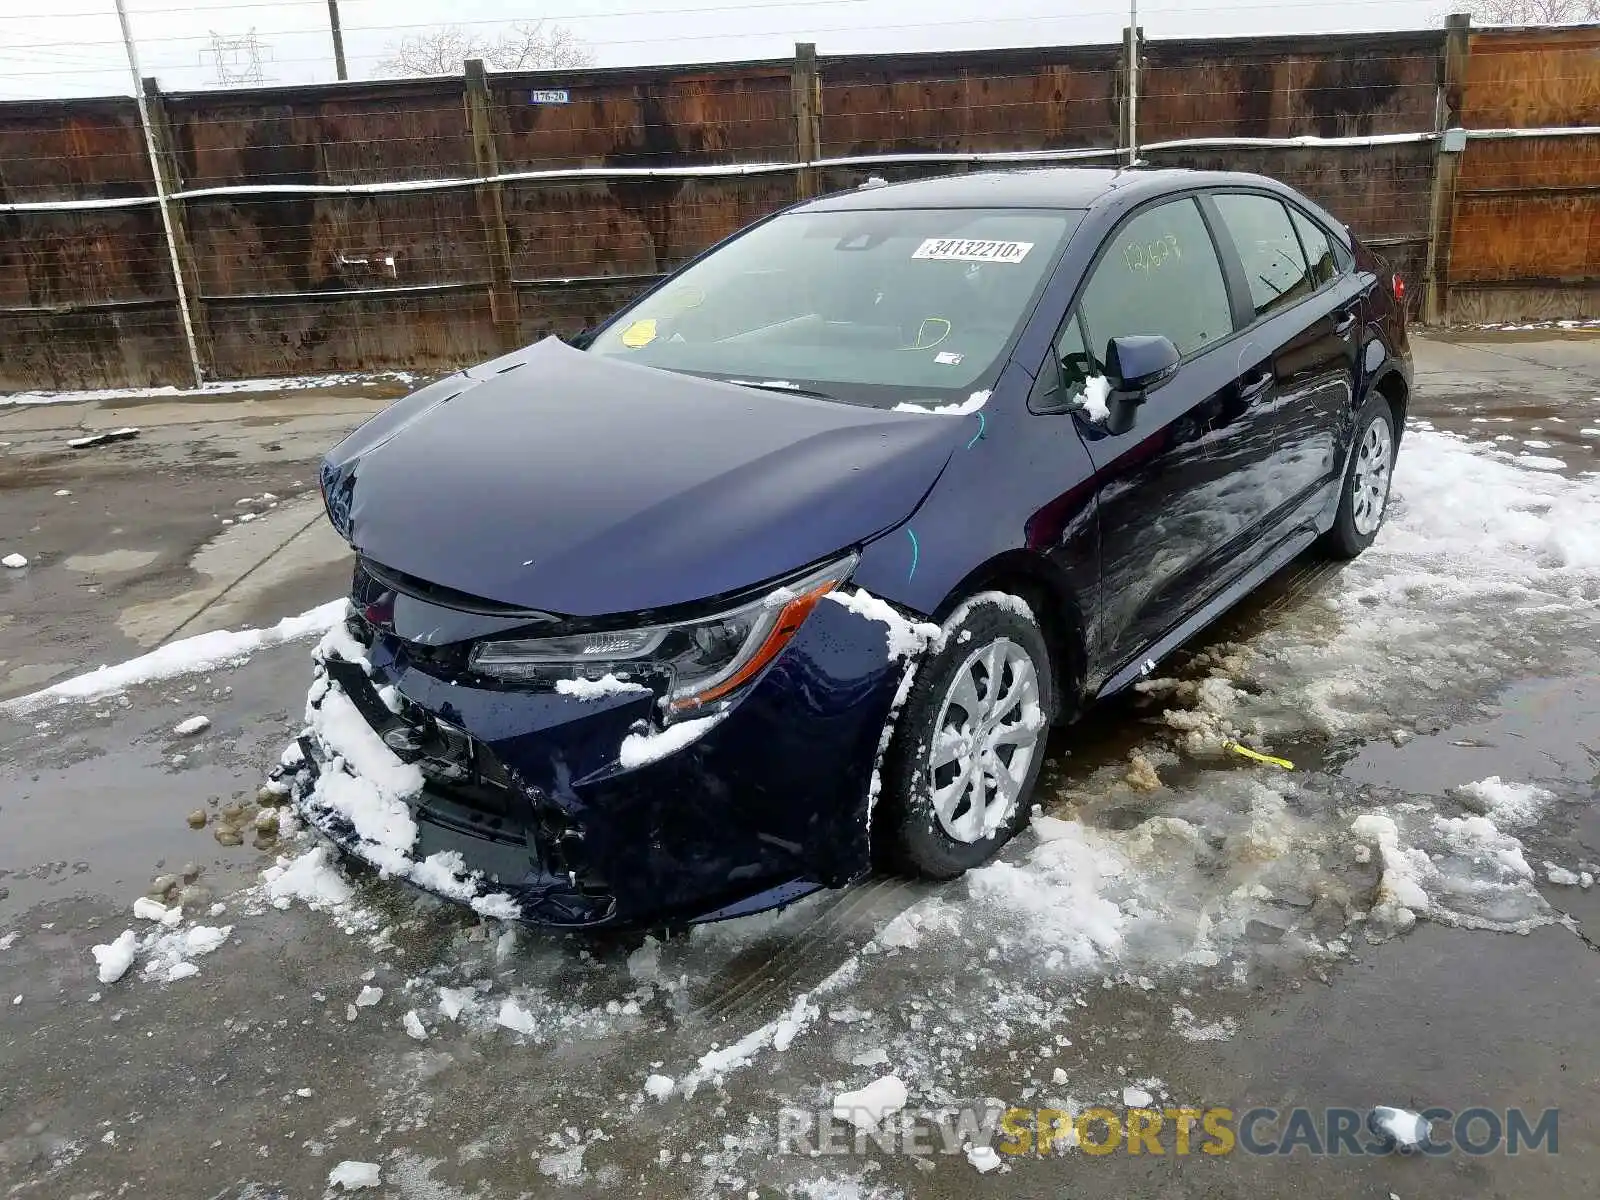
<point x="549" y="96"/>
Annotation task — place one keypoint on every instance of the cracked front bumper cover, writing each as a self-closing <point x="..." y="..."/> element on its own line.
<point x="527" y="788"/>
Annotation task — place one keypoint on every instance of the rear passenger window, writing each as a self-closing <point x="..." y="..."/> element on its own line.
<point x="1319" y="250"/>
<point x="1274" y="264"/>
<point x="1158" y="275"/>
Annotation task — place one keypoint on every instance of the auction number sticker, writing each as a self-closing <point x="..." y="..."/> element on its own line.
<point x="972" y="250"/>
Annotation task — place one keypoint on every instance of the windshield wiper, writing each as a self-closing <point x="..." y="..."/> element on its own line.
<point x="783" y="386"/>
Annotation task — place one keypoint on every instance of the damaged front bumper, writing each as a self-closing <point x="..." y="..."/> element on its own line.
<point x="515" y="801"/>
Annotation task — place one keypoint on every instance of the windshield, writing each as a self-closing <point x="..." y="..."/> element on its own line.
<point x="873" y="307"/>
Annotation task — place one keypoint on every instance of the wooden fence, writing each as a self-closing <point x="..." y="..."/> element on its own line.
<point x="432" y="223"/>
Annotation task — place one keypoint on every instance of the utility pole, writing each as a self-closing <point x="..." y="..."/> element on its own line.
<point x="1133" y="82"/>
<point x="161" y="194"/>
<point x="338" y="38"/>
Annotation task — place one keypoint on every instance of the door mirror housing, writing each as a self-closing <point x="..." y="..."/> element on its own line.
<point x="1136" y="365"/>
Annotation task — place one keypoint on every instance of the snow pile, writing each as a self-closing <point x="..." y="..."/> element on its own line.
<point x="191" y="726"/>
<point x="906" y="638"/>
<point x="15" y="561"/>
<point x="597" y="689"/>
<point x="1056" y="893"/>
<point x="1473" y="548"/>
<point x="1506" y="803"/>
<point x="213" y="387"/>
<point x="1092" y="401"/>
<point x="641" y="749"/>
<point x="970" y="405"/>
<point x="204" y="652"/>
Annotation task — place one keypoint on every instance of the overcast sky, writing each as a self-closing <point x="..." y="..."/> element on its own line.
<point x="74" y="48"/>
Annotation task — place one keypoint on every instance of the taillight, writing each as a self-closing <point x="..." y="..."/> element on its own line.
<point x="1399" y="286"/>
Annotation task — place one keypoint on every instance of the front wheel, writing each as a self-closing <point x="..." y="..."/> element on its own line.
<point x="969" y="743"/>
<point x="1365" y="495"/>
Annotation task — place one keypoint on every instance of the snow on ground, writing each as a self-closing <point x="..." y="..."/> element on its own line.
<point x="1177" y="864"/>
<point x="203" y="652"/>
<point x="215" y="387"/>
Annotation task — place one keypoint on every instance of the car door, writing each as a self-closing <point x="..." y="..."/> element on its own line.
<point x="1175" y="517"/>
<point x="1301" y="345"/>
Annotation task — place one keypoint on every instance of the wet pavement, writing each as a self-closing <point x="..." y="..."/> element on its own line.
<point x="1206" y="929"/>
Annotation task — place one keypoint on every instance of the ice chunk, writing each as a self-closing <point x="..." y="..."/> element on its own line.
<point x="1507" y="803"/>
<point x="866" y="1107"/>
<point x="658" y="1087"/>
<point x="1407" y="1129"/>
<point x="369" y="996"/>
<point x="191" y="725"/>
<point x="181" y="970"/>
<point x="15" y="561"/>
<point x="116" y="957"/>
<point x="146" y="909"/>
<point x="515" y="1018"/>
<point x="1560" y="876"/>
<point x="414" y="1027"/>
<point x="352" y="1176"/>
<point x="1136" y="1097"/>
<point x="984" y="1158"/>
<point x="454" y="1001"/>
<point x="312" y="878"/>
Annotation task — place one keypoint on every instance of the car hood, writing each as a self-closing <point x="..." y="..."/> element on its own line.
<point x="561" y="481"/>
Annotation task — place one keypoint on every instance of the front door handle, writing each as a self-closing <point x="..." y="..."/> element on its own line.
<point x="1346" y="323"/>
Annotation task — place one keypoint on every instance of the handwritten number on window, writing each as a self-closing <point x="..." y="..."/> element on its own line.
<point x="1152" y="256"/>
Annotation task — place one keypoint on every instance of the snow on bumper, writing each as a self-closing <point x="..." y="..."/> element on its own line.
<point x="355" y="789"/>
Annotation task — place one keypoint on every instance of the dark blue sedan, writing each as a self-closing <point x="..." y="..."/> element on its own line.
<point x="791" y="565"/>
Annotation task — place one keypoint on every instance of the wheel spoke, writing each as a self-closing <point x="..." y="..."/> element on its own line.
<point x="964" y="695"/>
<point x="994" y="669"/>
<point x="947" y="747"/>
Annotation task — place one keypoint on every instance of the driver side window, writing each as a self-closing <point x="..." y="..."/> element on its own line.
<point x="1159" y="274"/>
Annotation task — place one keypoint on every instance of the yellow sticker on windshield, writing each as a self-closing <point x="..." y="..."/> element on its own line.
<point x="640" y="333"/>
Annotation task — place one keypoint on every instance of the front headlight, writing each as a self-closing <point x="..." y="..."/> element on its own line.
<point x="694" y="663"/>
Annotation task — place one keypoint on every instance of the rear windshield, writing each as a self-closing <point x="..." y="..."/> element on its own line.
<point x="870" y="307"/>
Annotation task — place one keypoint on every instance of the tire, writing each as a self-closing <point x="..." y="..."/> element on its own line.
<point x="941" y="839"/>
<point x="1365" y="496"/>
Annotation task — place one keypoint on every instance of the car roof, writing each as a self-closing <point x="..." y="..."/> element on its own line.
<point x="1030" y="187"/>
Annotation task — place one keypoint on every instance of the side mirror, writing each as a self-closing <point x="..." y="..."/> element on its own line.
<point x="1136" y="366"/>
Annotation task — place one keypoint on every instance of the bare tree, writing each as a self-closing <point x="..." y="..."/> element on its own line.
<point x="526" y="46"/>
<point x="1532" y="12"/>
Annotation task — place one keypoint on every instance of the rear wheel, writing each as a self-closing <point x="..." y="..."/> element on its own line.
<point x="967" y="750"/>
<point x="1365" y="496"/>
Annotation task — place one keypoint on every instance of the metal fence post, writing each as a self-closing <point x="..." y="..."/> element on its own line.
<point x="1447" y="151"/>
<point x="503" y="307"/>
<point x="805" y="88"/>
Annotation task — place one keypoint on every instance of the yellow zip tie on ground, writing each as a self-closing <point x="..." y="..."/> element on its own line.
<point x="1246" y="752"/>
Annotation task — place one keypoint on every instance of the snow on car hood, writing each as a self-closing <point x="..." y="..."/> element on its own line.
<point x="556" y="480"/>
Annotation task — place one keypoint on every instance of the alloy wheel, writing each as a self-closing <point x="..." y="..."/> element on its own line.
<point x="984" y="740"/>
<point x="1370" y="485"/>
